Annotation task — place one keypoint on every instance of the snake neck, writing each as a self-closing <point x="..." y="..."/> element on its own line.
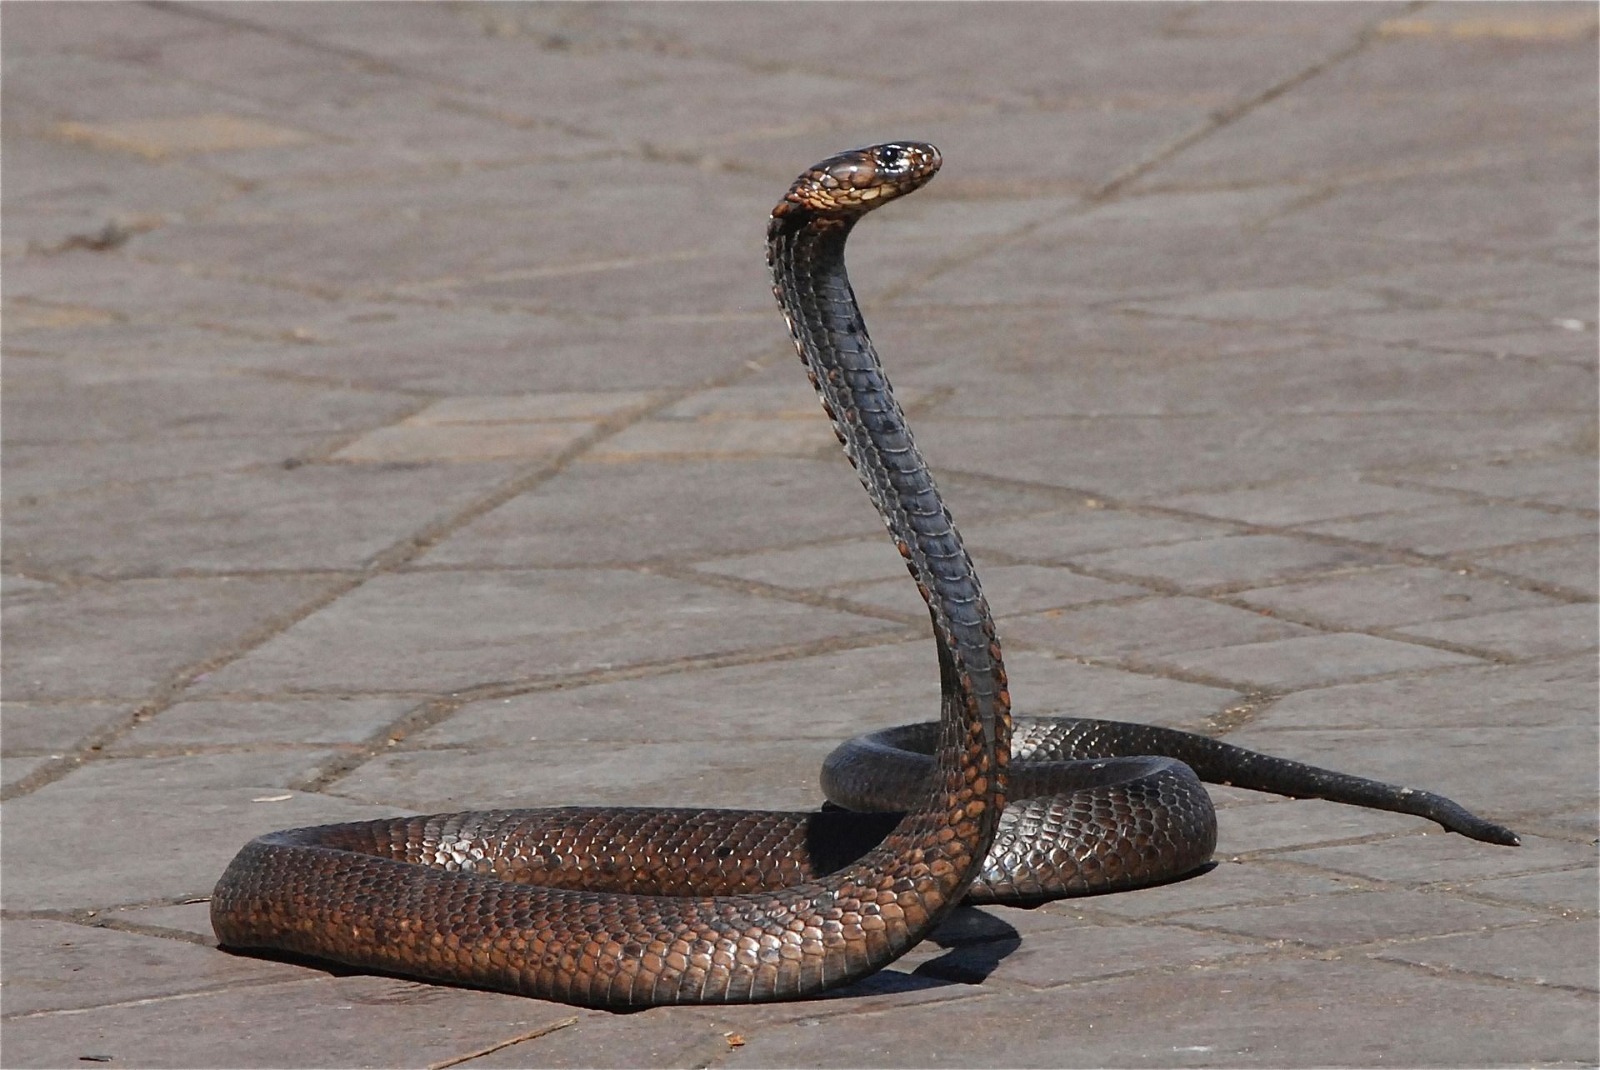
<point x="807" y="260"/>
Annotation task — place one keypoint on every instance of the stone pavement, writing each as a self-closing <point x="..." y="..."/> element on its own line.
<point x="397" y="419"/>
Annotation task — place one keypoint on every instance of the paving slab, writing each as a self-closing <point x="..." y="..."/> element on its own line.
<point x="1524" y="633"/>
<point x="1394" y="597"/>
<point x="1303" y="501"/>
<point x="1561" y="482"/>
<point x="506" y="625"/>
<point x="1135" y="457"/>
<point x="35" y="728"/>
<point x="1571" y="892"/>
<point x="1459" y="528"/>
<point x="1437" y="859"/>
<point x="1310" y="660"/>
<point x="396" y="418"/>
<point x="340" y="516"/>
<point x="1252" y="1014"/>
<point x="56" y="965"/>
<point x="358" y="1021"/>
<point x="1571" y="564"/>
<point x="122" y="640"/>
<point x="1549" y="694"/>
<point x="1360" y="918"/>
<point x="1148" y="627"/>
<point x="1557" y="954"/>
<point x="187" y="816"/>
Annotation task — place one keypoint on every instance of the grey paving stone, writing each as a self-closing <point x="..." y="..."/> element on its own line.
<point x="51" y="727"/>
<point x="61" y="190"/>
<point x="1525" y="633"/>
<point x="187" y="816"/>
<point x="120" y="640"/>
<point x="74" y="87"/>
<point x="342" y="1021"/>
<point x="1572" y="892"/>
<point x="1436" y="858"/>
<point x="1301" y="378"/>
<point x="307" y="516"/>
<point x="1231" y="882"/>
<point x="402" y="444"/>
<point x="1362" y="917"/>
<point x="1391" y="597"/>
<point x="1435" y="328"/>
<point x="1103" y="261"/>
<point x="1311" y="660"/>
<point x="1547" y="290"/>
<point x="1555" y="693"/>
<point x="638" y="512"/>
<point x="157" y="297"/>
<point x="400" y="346"/>
<point x="13" y="770"/>
<point x="1146" y="628"/>
<point x="1463" y="527"/>
<point x="191" y="918"/>
<point x="1434" y="210"/>
<point x="1139" y="457"/>
<point x="658" y="284"/>
<point x="664" y="1037"/>
<point x="1272" y="304"/>
<point x="316" y="722"/>
<point x="48" y="31"/>
<point x="1562" y="953"/>
<point x="34" y="473"/>
<point x="1304" y="501"/>
<point x="1286" y="1013"/>
<point x="1568" y="481"/>
<point x="1233" y="559"/>
<point x="1570" y="563"/>
<point x="1061" y="339"/>
<point x="451" y="630"/>
<point x="55" y="965"/>
<point x="1548" y="343"/>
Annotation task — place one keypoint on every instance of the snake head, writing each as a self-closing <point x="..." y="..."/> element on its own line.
<point x="857" y="181"/>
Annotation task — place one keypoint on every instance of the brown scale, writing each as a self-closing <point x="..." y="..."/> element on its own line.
<point x="631" y="907"/>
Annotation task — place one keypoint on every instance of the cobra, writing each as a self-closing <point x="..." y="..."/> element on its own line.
<point x="633" y="907"/>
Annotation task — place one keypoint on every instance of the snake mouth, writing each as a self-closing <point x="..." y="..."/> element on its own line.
<point x="857" y="181"/>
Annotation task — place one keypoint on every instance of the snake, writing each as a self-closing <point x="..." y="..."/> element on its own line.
<point x="627" y="907"/>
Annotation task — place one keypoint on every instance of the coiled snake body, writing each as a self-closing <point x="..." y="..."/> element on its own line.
<point x="629" y="907"/>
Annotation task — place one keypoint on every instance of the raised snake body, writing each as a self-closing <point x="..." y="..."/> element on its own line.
<point x="630" y="907"/>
